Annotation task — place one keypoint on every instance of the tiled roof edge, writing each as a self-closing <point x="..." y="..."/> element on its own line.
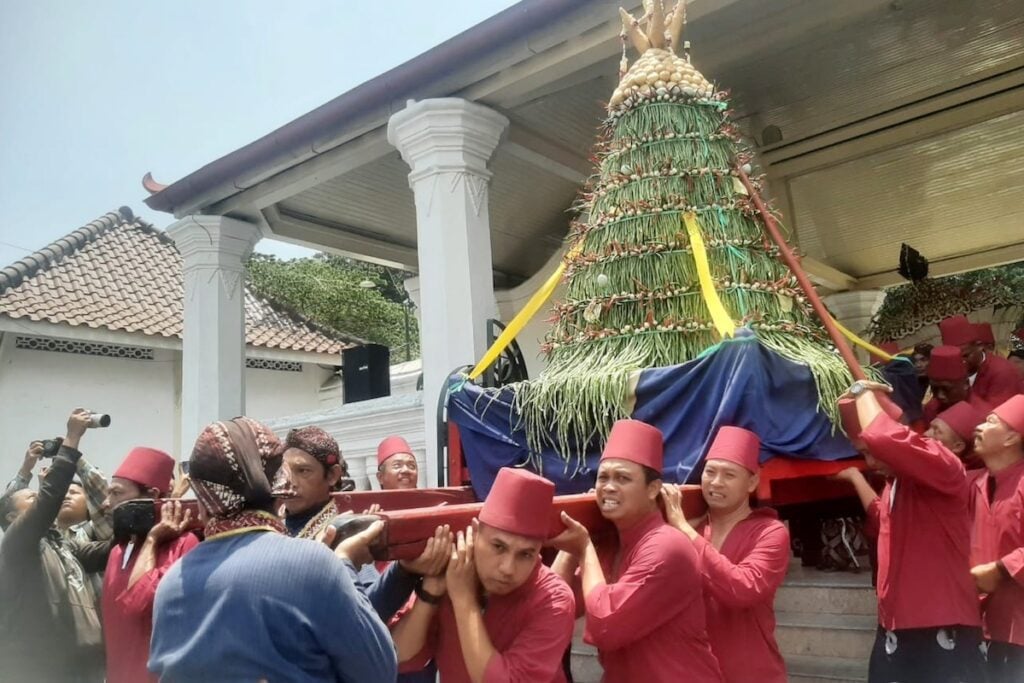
<point x="24" y="268"/>
<point x="287" y="310"/>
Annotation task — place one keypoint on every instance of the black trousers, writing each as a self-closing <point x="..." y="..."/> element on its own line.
<point x="1005" y="663"/>
<point x="951" y="654"/>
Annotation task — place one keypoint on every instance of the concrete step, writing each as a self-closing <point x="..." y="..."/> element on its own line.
<point x="826" y="670"/>
<point x="811" y="590"/>
<point x="826" y="600"/>
<point x="585" y="666"/>
<point x="807" y="634"/>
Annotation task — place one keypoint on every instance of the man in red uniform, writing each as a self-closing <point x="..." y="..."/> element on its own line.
<point x="950" y="384"/>
<point x="506" y="617"/>
<point x="954" y="428"/>
<point x="135" y="567"/>
<point x="929" y="625"/>
<point x="744" y="556"/>
<point x="986" y="337"/>
<point x="997" y="542"/>
<point x="644" y="603"/>
<point x="993" y="379"/>
<point x="396" y="465"/>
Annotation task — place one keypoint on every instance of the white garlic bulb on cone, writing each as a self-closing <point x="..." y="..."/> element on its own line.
<point x="659" y="72"/>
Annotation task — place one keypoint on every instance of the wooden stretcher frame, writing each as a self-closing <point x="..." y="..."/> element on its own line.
<point x="406" y="530"/>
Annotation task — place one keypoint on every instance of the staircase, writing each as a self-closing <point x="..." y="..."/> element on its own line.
<point x="825" y="628"/>
<point x="825" y="625"/>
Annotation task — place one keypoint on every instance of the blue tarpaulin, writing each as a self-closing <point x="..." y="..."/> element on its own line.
<point x="739" y="382"/>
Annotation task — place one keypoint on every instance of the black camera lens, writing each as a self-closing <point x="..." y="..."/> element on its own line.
<point x="51" y="447"/>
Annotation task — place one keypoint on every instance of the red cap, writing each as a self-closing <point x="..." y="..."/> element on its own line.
<point x="851" y="423"/>
<point x="962" y="417"/>
<point x="149" y="468"/>
<point x="519" y="503"/>
<point x="890" y="347"/>
<point x="946" y="364"/>
<point x="957" y="331"/>
<point x="1012" y="413"/>
<point x="984" y="333"/>
<point x="393" y="445"/>
<point x="738" y="445"/>
<point x="637" y="442"/>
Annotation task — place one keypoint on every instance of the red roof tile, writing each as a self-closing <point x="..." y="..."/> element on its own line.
<point x="121" y="273"/>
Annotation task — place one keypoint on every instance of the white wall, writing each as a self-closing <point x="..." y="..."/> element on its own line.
<point x="38" y="390"/>
<point x="511" y="301"/>
<point x="273" y="393"/>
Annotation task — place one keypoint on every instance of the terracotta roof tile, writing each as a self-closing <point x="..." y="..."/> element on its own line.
<point x="121" y="273"/>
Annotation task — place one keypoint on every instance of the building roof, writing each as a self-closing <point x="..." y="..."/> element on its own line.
<point x="121" y="273"/>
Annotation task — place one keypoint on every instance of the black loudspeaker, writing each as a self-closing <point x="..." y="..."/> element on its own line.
<point x="366" y="372"/>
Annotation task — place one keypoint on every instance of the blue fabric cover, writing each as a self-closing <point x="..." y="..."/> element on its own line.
<point x="739" y="382"/>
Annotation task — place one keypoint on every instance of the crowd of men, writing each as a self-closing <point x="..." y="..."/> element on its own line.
<point x="274" y="592"/>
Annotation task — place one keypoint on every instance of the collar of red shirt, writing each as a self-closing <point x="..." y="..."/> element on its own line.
<point x="1010" y="472"/>
<point x="631" y="536"/>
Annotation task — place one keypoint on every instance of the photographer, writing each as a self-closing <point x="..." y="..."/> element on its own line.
<point x="49" y="624"/>
<point x="82" y="516"/>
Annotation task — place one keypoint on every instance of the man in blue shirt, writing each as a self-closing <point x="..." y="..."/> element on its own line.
<point x="250" y="603"/>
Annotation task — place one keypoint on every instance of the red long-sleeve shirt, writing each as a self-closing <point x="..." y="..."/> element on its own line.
<point x="997" y="380"/>
<point x="648" y="621"/>
<point x="740" y="581"/>
<point x="924" y="523"/>
<point x="128" y="612"/>
<point x="998" y="534"/>
<point x="530" y="628"/>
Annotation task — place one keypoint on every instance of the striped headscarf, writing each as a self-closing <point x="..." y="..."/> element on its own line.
<point x="232" y="466"/>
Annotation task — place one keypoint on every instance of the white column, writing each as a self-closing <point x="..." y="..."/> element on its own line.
<point x="854" y="310"/>
<point x="213" y="251"/>
<point x="447" y="144"/>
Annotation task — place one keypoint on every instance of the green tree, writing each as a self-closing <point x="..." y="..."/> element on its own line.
<point x="331" y="291"/>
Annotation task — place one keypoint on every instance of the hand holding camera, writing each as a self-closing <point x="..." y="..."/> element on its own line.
<point x="32" y="455"/>
<point x="80" y="420"/>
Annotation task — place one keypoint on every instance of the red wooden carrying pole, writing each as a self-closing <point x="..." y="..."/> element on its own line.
<point x="406" y="531"/>
<point x="805" y="283"/>
<point x="402" y="499"/>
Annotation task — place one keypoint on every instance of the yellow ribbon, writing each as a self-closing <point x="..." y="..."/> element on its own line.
<point x="524" y="316"/>
<point x="719" y="316"/>
<point x="871" y="348"/>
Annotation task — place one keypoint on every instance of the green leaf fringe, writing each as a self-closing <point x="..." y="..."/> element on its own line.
<point x="633" y="298"/>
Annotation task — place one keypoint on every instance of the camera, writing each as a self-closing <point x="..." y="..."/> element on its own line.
<point x="98" y="420"/>
<point x="51" y="447"/>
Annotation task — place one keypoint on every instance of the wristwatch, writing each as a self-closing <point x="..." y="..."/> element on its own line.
<point x="858" y="388"/>
<point x="427" y="597"/>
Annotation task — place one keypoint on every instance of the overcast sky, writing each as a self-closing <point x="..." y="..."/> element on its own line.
<point x="94" y="94"/>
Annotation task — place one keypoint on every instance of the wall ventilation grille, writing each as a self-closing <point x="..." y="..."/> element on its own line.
<point x="83" y="348"/>
<point x="279" y="365"/>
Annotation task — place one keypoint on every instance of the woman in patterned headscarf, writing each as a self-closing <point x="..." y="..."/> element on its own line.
<point x="249" y="602"/>
<point x="231" y="468"/>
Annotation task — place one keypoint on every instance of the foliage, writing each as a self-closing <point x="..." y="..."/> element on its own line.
<point x="326" y="289"/>
<point x="908" y="308"/>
